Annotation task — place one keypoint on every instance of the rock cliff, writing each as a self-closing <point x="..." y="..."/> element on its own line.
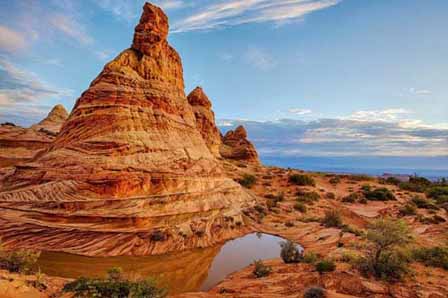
<point x="129" y="173"/>
<point x="53" y="122"/>
<point x="205" y="119"/>
<point x="236" y="146"/>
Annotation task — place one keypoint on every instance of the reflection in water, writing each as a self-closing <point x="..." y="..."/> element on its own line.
<point x="180" y="272"/>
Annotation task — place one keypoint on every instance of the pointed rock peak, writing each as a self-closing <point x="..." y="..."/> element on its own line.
<point x="241" y="131"/>
<point x="57" y="113"/>
<point x="197" y="97"/>
<point x="152" y="29"/>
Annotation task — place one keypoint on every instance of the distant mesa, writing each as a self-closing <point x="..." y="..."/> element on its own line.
<point x="133" y="170"/>
<point x="236" y="146"/>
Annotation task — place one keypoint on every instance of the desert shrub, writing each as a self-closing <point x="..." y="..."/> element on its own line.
<point x="360" y="177"/>
<point x="158" y="235"/>
<point x="408" y="209"/>
<point x="393" y="181"/>
<point x="423" y="203"/>
<point x="415" y="184"/>
<point x="302" y="180"/>
<point x="310" y="258"/>
<point x="290" y="252"/>
<point x="350" y="229"/>
<point x="438" y="194"/>
<point x="308" y="197"/>
<point x="314" y="292"/>
<point x="434" y="256"/>
<point x="325" y="266"/>
<point x="366" y="188"/>
<point x="270" y="203"/>
<point x="386" y="257"/>
<point x="435" y="219"/>
<point x="260" y="209"/>
<point x="352" y="198"/>
<point x="332" y="218"/>
<point x="114" y="286"/>
<point x="247" y="180"/>
<point x="260" y="269"/>
<point x="379" y="194"/>
<point x="18" y="261"/>
<point x="335" y="180"/>
<point x="300" y="206"/>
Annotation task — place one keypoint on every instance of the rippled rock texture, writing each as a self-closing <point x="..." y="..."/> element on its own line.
<point x="129" y="173"/>
<point x="236" y="146"/>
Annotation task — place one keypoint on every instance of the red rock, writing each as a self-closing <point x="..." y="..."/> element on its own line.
<point x="129" y="163"/>
<point x="205" y="119"/>
<point x="236" y="146"/>
<point x="53" y="122"/>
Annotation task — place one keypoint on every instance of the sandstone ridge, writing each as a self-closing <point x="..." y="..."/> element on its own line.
<point x="129" y="173"/>
<point x="236" y="146"/>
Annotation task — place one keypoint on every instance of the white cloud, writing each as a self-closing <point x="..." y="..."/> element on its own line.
<point x="297" y="111"/>
<point x="386" y="115"/>
<point x="10" y="40"/>
<point x="420" y="91"/>
<point x="71" y="28"/>
<point x="18" y="86"/>
<point x="238" y="12"/>
<point x="259" y="58"/>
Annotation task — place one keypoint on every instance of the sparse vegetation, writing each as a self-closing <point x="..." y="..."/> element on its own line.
<point x="260" y="269"/>
<point x="415" y="184"/>
<point x="379" y="194"/>
<point x="438" y="194"/>
<point x="387" y="257"/>
<point x="247" y="180"/>
<point x="352" y="198"/>
<point x="423" y="203"/>
<point x="302" y="180"/>
<point x="408" y="209"/>
<point x="332" y="218"/>
<point x="434" y="256"/>
<point x="335" y="180"/>
<point x="310" y="258"/>
<point x="314" y="292"/>
<point x="114" y="286"/>
<point x="325" y="266"/>
<point x="330" y="195"/>
<point x="290" y="252"/>
<point x="18" y="261"/>
<point x="300" y="206"/>
<point x="308" y="197"/>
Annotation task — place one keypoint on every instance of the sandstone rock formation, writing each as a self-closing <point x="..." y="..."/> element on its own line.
<point x="236" y="146"/>
<point x="53" y="122"/>
<point x="205" y="119"/>
<point x="129" y="173"/>
<point x="19" y="144"/>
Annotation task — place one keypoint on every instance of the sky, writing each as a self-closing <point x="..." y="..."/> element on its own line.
<point x="308" y="77"/>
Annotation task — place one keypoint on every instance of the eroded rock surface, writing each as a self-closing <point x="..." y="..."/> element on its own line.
<point x="236" y="146"/>
<point x="129" y="173"/>
<point x="52" y="124"/>
<point x="205" y="119"/>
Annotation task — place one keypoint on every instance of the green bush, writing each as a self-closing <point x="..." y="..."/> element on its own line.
<point x="332" y="218"/>
<point x="302" y="180"/>
<point x="310" y="258"/>
<point x="438" y="194"/>
<point x="260" y="269"/>
<point x="408" y="209"/>
<point x="290" y="252"/>
<point x="434" y="256"/>
<point x="247" y="180"/>
<point x="393" y="181"/>
<point x="314" y="292"/>
<point x="352" y="198"/>
<point x="325" y="266"/>
<point x="379" y="194"/>
<point x="366" y="188"/>
<point x="415" y="184"/>
<point x="423" y="203"/>
<point x="114" y="286"/>
<point x="386" y="257"/>
<point x="308" y="197"/>
<point x="18" y="261"/>
<point x="299" y="206"/>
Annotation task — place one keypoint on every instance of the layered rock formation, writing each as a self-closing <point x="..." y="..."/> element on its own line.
<point x="129" y="173"/>
<point x="236" y="146"/>
<point x="53" y="122"/>
<point x="19" y="144"/>
<point x="205" y="120"/>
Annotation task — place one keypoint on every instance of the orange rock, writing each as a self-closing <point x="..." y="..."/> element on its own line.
<point x="205" y="119"/>
<point x="53" y="122"/>
<point x="236" y="146"/>
<point x="129" y="173"/>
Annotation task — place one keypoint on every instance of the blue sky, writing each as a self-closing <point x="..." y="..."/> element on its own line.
<point x="362" y="66"/>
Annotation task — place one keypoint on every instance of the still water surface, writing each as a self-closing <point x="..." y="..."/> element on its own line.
<point x="198" y="269"/>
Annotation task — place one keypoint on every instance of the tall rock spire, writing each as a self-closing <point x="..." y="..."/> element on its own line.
<point x="127" y="163"/>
